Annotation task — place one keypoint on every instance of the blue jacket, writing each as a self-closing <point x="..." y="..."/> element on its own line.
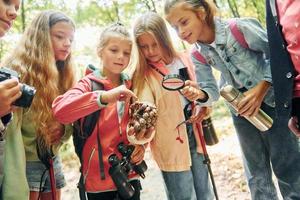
<point x="239" y="66"/>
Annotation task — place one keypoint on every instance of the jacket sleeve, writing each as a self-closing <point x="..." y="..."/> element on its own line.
<point x="257" y="40"/>
<point x="206" y="81"/>
<point x="76" y="103"/>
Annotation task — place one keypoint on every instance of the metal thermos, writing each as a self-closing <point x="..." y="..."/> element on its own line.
<point x="209" y="132"/>
<point x="261" y="120"/>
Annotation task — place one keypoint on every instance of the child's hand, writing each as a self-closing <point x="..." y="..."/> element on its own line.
<point x="191" y="91"/>
<point x="9" y="93"/>
<point x="293" y="125"/>
<point x="143" y="134"/>
<point x="137" y="155"/>
<point x="199" y="113"/>
<point x="250" y="104"/>
<point x="120" y="93"/>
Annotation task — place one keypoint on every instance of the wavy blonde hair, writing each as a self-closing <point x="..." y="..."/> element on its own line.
<point x="155" y="25"/>
<point x="34" y="60"/>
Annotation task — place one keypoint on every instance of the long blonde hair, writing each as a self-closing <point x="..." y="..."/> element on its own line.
<point x="33" y="58"/>
<point x="155" y="25"/>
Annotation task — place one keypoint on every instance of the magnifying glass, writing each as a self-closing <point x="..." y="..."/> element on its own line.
<point x="173" y="82"/>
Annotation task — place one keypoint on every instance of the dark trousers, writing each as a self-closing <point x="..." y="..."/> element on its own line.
<point x="114" y="194"/>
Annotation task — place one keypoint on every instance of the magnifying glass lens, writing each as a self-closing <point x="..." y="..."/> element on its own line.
<point x="173" y="82"/>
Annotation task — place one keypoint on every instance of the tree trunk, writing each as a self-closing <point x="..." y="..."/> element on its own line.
<point x="233" y="8"/>
<point x="23" y="15"/>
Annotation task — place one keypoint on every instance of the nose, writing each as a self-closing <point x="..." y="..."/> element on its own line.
<point x="12" y="12"/>
<point x="68" y="42"/>
<point x="151" y="50"/>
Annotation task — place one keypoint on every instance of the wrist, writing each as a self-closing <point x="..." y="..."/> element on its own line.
<point x="202" y="96"/>
<point x="101" y="99"/>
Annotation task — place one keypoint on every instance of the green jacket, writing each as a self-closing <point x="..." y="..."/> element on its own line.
<point x="21" y="147"/>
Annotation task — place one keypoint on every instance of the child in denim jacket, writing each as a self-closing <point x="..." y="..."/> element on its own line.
<point x="248" y="70"/>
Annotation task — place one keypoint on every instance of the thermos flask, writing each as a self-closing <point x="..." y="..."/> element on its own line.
<point x="261" y="120"/>
<point x="209" y="132"/>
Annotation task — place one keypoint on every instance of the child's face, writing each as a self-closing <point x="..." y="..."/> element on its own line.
<point x="62" y="35"/>
<point x="8" y="13"/>
<point x="187" y="23"/>
<point x="116" y="55"/>
<point x="149" y="47"/>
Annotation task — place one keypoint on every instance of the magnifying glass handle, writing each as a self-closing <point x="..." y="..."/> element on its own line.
<point x="183" y="122"/>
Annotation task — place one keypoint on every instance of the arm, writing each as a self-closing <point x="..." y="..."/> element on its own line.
<point x="76" y="103"/>
<point x="206" y="81"/>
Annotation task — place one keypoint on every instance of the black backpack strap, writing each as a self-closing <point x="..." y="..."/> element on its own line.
<point x="100" y="156"/>
<point x="80" y="186"/>
<point x="84" y="130"/>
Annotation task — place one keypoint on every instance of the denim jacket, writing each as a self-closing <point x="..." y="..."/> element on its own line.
<point x="240" y="67"/>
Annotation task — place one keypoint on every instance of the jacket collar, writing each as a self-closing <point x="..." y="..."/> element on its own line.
<point x="98" y="76"/>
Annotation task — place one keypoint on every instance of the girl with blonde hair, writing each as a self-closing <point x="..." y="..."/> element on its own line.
<point x="111" y="100"/>
<point x="43" y="60"/>
<point x="176" y="149"/>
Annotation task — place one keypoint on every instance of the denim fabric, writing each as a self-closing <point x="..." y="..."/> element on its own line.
<point x="202" y="184"/>
<point x="34" y="171"/>
<point x="239" y="66"/>
<point x="276" y="149"/>
<point x="178" y="185"/>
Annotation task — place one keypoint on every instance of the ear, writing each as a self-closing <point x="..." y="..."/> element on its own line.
<point x="201" y="14"/>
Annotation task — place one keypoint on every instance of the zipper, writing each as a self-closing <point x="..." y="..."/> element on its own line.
<point x="89" y="164"/>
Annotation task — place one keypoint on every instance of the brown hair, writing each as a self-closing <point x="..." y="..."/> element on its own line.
<point x="195" y="5"/>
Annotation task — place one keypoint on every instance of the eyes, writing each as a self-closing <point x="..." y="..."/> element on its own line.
<point x="146" y="47"/>
<point x="16" y="3"/>
<point x="115" y="50"/>
<point x="180" y="24"/>
<point x="63" y="37"/>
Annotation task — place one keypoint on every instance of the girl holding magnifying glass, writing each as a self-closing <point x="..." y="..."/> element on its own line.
<point x="176" y="149"/>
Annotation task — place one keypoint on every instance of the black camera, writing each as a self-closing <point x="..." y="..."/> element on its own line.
<point x="120" y="168"/>
<point x="28" y="92"/>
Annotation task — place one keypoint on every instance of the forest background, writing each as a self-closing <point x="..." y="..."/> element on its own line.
<point x="90" y="17"/>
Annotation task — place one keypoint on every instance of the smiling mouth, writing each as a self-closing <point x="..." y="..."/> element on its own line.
<point x="7" y="23"/>
<point x="186" y="37"/>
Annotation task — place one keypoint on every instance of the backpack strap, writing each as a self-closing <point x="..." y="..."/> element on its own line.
<point x="198" y="56"/>
<point x="86" y="128"/>
<point x="237" y="34"/>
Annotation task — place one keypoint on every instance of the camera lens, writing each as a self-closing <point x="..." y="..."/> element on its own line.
<point x="26" y="98"/>
<point x="113" y="160"/>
